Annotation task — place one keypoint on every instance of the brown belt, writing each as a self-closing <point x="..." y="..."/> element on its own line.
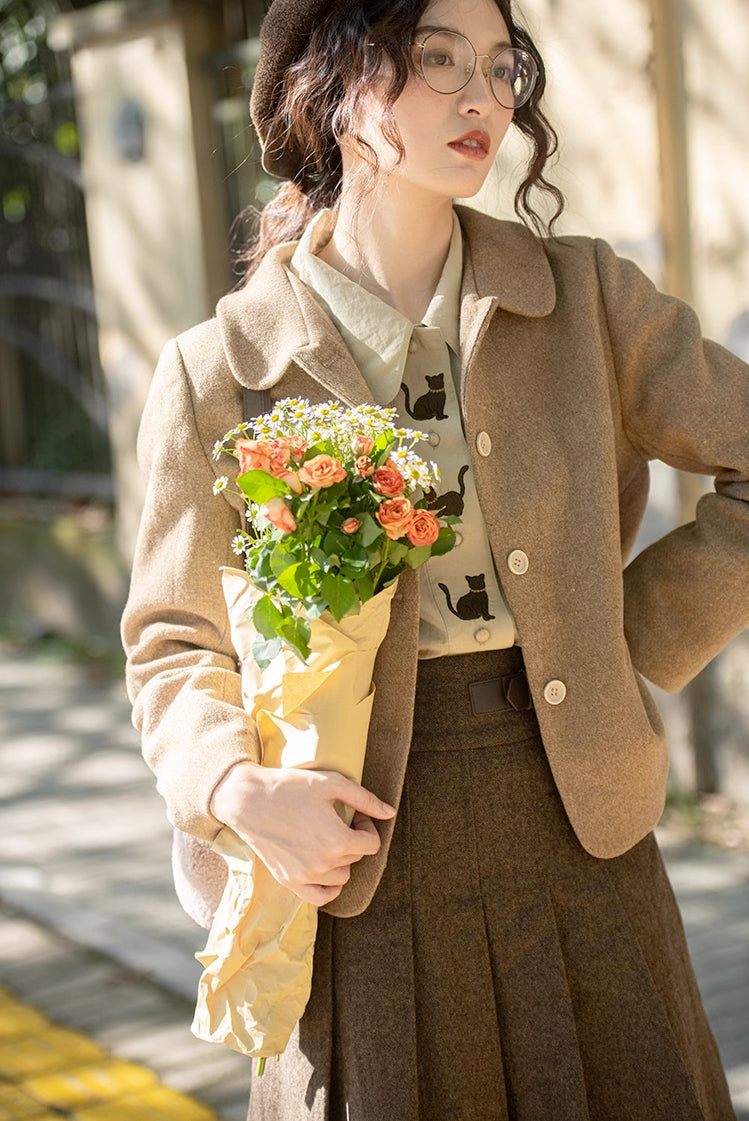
<point x="493" y="694"/>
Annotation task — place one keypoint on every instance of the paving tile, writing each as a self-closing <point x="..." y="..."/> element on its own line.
<point x="89" y="1085"/>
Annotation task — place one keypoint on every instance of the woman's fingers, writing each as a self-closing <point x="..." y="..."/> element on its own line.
<point x="319" y="896"/>
<point x="359" y="798"/>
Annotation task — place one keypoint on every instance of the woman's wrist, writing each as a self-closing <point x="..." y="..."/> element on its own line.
<point x="232" y="796"/>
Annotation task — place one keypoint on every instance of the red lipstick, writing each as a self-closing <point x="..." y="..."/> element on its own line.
<point x="475" y="145"/>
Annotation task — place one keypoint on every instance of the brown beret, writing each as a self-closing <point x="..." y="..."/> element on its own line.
<point x="283" y="37"/>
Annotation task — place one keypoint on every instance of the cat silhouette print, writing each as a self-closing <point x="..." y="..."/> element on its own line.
<point x="431" y="405"/>
<point x="474" y="604"/>
<point x="451" y="502"/>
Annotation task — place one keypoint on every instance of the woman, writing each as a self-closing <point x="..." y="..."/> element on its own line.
<point x="506" y="944"/>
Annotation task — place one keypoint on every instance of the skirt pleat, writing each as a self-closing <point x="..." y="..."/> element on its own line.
<point x="501" y="972"/>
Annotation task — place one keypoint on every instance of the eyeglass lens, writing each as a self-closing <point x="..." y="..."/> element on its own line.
<point x="448" y="61"/>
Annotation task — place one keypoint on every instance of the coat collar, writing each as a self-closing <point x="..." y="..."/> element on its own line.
<point x="505" y="267"/>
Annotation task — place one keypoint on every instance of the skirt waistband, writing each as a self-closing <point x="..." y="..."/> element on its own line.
<point x="457" y="699"/>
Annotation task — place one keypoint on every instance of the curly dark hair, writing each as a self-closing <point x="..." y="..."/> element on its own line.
<point x="324" y="93"/>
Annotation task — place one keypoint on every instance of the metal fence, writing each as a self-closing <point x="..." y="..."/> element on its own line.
<point x="53" y="415"/>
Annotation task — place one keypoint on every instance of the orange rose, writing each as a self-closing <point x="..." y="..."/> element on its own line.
<point x="254" y="455"/>
<point x="361" y="444"/>
<point x="351" y="525"/>
<point x="389" y="481"/>
<point x="280" y="453"/>
<point x="395" y="516"/>
<point x="364" y="466"/>
<point x="322" y="471"/>
<point x="298" y="449"/>
<point x="424" y="528"/>
<point x="289" y="477"/>
<point x="279" y="514"/>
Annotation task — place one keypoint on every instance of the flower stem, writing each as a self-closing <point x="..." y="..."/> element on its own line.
<point x="385" y="552"/>
<point x="260" y="1067"/>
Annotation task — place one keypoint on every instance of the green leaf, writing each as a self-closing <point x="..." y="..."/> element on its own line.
<point x="418" y="555"/>
<point x="314" y="607"/>
<point x="264" y="650"/>
<point x="369" y="530"/>
<point x="282" y="558"/>
<point x="299" y="580"/>
<point x="397" y="552"/>
<point x="335" y="542"/>
<point x="266" y="617"/>
<point x="340" y="594"/>
<point x="295" y="632"/>
<point x="383" y="445"/>
<point x="259" y="486"/>
<point x="365" y="587"/>
<point x="444" y="542"/>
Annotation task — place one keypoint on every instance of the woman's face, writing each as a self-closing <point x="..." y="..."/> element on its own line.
<point x="432" y="124"/>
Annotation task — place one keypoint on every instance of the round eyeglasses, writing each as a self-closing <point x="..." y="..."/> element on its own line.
<point x="448" y="61"/>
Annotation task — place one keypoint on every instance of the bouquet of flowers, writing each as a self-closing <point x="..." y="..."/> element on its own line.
<point x="336" y="510"/>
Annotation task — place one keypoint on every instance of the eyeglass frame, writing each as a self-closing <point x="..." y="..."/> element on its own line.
<point x="476" y="57"/>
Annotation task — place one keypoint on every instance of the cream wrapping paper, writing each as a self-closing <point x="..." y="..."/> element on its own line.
<point x="257" y="961"/>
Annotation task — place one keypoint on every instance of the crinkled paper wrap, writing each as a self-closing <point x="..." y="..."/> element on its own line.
<point x="258" y="958"/>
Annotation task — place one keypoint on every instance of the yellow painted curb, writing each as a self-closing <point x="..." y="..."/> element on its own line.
<point x="47" y="1072"/>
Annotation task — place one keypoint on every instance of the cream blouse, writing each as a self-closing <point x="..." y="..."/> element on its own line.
<point x="416" y="369"/>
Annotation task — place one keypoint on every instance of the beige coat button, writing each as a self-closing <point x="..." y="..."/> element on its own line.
<point x="518" y="562"/>
<point x="555" y="692"/>
<point x="433" y="438"/>
<point x="412" y="345"/>
<point x="482" y="635"/>
<point x="484" y="443"/>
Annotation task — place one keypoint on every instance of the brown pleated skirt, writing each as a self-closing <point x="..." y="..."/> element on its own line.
<point x="501" y="973"/>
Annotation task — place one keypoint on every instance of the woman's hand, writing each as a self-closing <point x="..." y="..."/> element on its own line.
<point x="288" y="817"/>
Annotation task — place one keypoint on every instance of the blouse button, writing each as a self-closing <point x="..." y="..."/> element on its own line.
<point x="555" y="692"/>
<point x="518" y="562"/>
<point x="412" y="345"/>
<point x="484" y="443"/>
<point x="482" y="635"/>
<point x="433" y="438"/>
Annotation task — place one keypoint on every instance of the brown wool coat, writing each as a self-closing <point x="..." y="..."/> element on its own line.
<point x="580" y="371"/>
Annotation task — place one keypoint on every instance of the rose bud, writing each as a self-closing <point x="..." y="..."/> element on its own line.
<point x="351" y="525"/>
<point x="364" y="466"/>
<point x="424" y="528"/>
<point x="279" y="514"/>
<point x="289" y="477"/>
<point x="361" y="444"/>
<point x="322" y="471"/>
<point x="395" y="516"/>
<point x="389" y="481"/>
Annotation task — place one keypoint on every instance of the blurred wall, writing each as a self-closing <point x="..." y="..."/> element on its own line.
<point x="603" y="102"/>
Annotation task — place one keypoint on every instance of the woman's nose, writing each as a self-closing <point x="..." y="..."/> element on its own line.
<point x="477" y="94"/>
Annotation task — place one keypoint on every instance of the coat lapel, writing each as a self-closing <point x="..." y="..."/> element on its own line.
<point x="288" y="327"/>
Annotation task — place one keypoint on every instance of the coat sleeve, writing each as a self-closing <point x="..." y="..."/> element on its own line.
<point x="181" y="670"/>
<point x="684" y="400"/>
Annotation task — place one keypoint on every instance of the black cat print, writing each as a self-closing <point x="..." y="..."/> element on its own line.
<point x="451" y="502"/>
<point x="431" y="405"/>
<point x="474" y="604"/>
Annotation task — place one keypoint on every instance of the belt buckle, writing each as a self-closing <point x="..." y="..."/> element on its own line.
<point x="495" y="694"/>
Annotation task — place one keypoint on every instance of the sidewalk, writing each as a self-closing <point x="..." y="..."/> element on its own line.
<point x="92" y="935"/>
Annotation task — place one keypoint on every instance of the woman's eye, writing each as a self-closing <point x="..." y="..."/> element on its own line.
<point x="502" y="73"/>
<point x="437" y="58"/>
